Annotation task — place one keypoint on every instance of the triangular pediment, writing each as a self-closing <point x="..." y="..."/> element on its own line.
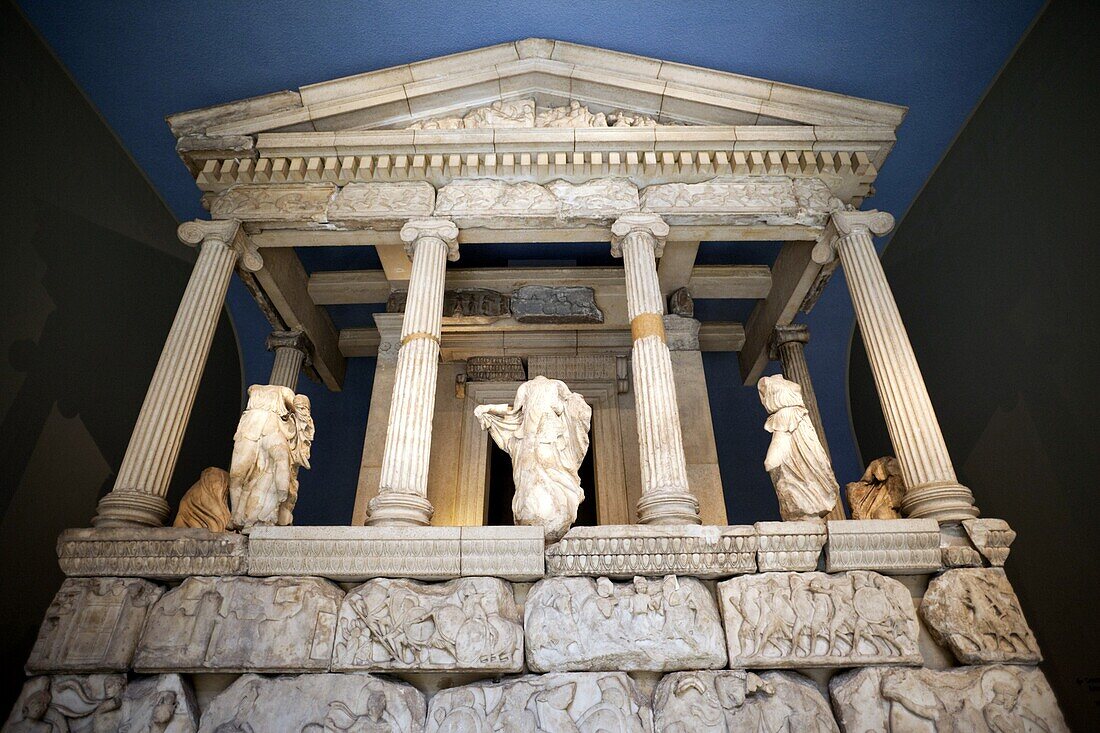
<point x="552" y="74"/>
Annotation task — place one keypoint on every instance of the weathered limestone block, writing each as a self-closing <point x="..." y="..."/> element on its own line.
<point x="626" y="550"/>
<point x="992" y="537"/>
<point x="466" y="625"/>
<point x="163" y="703"/>
<point x="602" y="198"/>
<point x="584" y="702"/>
<point x="899" y="700"/>
<point x="73" y="703"/>
<point x="894" y="546"/>
<point x="784" y="620"/>
<point x="313" y="703"/>
<point x="379" y="204"/>
<point x="789" y="545"/>
<point x="956" y="549"/>
<point x="774" y="200"/>
<point x="281" y="624"/>
<point x="975" y="613"/>
<point x="93" y="625"/>
<point x="164" y="553"/>
<point x="584" y="624"/>
<point x="734" y="700"/>
<point x="555" y="304"/>
<point x="511" y="553"/>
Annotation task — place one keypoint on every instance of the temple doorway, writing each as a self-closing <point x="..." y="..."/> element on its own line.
<point x="501" y="489"/>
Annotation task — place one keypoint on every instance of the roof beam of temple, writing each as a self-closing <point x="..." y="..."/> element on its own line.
<point x="793" y="276"/>
<point x="707" y="281"/>
<point x="285" y="283"/>
<point x="675" y="267"/>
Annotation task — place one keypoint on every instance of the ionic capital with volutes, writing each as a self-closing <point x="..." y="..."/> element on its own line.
<point x="228" y="232"/>
<point x="440" y="229"/>
<point x="651" y="226"/>
<point x="845" y="222"/>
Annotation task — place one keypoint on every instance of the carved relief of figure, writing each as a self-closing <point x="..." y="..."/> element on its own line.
<point x="878" y="493"/>
<point x="575" y="115"/>
<point x="797" y="463"/>
<point x="546" y="433"/>
<point x="206" y="504"/>
<point x="272" y="441"/>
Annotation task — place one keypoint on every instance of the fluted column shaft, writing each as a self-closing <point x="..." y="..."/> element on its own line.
<point x="933" y="490"/>
<point x="666" y="496"/>
<point x="291" y="353"/>
<point x="789" y="343"/>
<point x="403" y="488"/>
<point x="138" y="496"/>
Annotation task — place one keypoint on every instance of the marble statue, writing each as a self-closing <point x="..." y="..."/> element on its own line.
<point x="69" y="704"/>
<point x="588" y="702"/>
<point x="777" y="620"/>
<point x="732" y="701"/>
<point x="898" y="700"/>
<point x="545" y="431"/>
<point x="593" y="624"/>
<point x="878" y="493"/>
<point x="467" y="624"/>
<point x="206" y="503"/>
<point x="272" y="441"/>
<point x="796" y="461"/>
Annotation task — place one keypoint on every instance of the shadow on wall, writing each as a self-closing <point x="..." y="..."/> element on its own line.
<point x="994" y="270"/>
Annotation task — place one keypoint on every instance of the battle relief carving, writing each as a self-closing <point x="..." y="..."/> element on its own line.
<point x="315" y="703"/>
<point x="898" y="700"/>
<point x="92" y="625"/>
<point x="545" y="431"/>
<point x="783" y="620"/>
<point x="525" y="113"/>
<point x="589" y="624"/>
<point x="735" y="701"/>
<point x="607" y="701"/>
<point x="774" y="200"/>
<point x="495" y="204"/>
<point x="272" y="442"/>
<point x="73" y="703"/>
<point x="469" y="624"/>
<point x="975" y="613"/>
<point x="238" y="624"/>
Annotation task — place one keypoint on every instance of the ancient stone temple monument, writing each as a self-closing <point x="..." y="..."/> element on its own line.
<point x="654" y="614"/>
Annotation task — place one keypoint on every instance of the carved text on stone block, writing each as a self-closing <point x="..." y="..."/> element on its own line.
<point x="586" y="624"/>
<point x="469" y="624"/>
<point x="93" y="625"/>
<point x="818" y="620"/>
<point x="570" y="369"/>
<point x="495" y="369"/>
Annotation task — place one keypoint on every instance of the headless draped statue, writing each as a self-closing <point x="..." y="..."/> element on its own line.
<point x="546" y="432"/>
<point x="797" y="462"/>
<point x="272" y="441"/>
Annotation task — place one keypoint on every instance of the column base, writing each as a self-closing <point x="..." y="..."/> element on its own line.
<point x="946" y="501"/>
<point x="128" y="508"/>
<point x="668" y="507"/>
<point x="397" y="509"/>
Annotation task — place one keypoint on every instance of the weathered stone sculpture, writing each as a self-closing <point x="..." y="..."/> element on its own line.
<point x="975" y="613"/>
<point x="93" y="625"/>
<point x="897" y="700"/>
<point x="546" y="432"/>
<point x="991" y="537"/>
<point x="797" y="463"/>
<point x="315" y="703"/>
<point x="784" y="620"/>
<point x="206" y="503"/>
<point x="68" y="703"/>
<point x="272" y="441"/>
<point x="879" y="492"/>
<point x="731" y="701"/>
<point x="469" y="624"/>
<point x="523" y="113"/>
<point x="162" y="703"/>
<point x="587" y="702"/>
<point x="588" y="624"/>
<point x="559" y="304"/>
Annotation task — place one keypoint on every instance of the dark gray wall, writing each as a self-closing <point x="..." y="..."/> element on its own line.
<point x="994" y="269"/>
<point x="91" y="277"/>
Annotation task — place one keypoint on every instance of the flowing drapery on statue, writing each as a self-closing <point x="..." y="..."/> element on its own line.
<point x="272" y="441"/>
<point x="546" y="432"/>
<point x="796" y="461"/>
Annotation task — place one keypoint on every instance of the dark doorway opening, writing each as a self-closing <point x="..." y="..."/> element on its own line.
<point x="502" y="488"/>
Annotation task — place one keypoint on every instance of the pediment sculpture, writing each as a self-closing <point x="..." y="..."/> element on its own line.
<point x="525" y="113"/>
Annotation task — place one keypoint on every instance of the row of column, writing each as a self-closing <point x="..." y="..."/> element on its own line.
<point x="138" y="497"/>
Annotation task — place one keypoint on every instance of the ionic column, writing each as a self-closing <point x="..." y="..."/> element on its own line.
<point x="291" y="353"/>
<point x="933" y="489"/>
<point x="788" y="346"/>
<point x="666" y="497"/>
<point x="138" y="496"/>
<point x="403" y="489"/>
